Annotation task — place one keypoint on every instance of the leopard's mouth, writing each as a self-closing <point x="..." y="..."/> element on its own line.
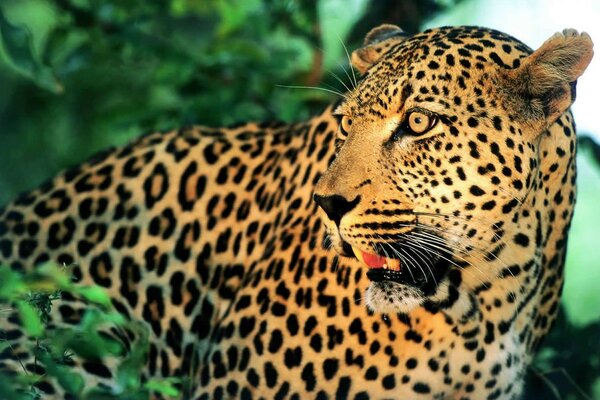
<point x="406" y="270"/>
<point x="380" y="268"/>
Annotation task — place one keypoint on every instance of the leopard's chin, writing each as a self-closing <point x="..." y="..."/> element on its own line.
<point x="391" y="297"/>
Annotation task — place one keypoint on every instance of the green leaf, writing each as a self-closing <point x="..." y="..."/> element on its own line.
<point x="94" y="294"/>
<point x="16" y="41"/>
<point x="58" y="274"/>
<point x="128" y="374"/>
<point x="4" y="344"/>
<point x="68" y="378"/>
<point x="165" y="386"/>
<point x="11" y="284"/>
<point x="13" y="388"/>
<point x="31" y="320"/>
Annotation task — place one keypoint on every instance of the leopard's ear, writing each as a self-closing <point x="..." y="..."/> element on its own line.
<point x="377" y="42"/>
<point x="543" y="86"/>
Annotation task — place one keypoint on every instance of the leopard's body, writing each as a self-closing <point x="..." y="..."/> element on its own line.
<point x="212" y="237"/>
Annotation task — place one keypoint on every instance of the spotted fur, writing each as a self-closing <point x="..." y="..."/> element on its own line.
<point x="212" y="238"/>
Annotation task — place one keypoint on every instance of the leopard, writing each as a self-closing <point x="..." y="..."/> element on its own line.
<point x="406" y="243"/>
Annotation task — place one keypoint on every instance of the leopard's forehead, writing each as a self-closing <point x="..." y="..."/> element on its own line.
<point x="443" y="62"/>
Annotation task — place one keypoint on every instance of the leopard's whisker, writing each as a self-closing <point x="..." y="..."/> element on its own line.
<point x="353" y="80"/>
<point x="336" y="92"/>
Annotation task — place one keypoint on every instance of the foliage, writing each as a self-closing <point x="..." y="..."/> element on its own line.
<point x="567" y="366"/>
<point x="33" y="295"/>
<point x="72" y="71"/>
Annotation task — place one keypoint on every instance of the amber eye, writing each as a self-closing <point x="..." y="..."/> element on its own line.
<point x="418" y="123"/>
<point x="345" y="125"/>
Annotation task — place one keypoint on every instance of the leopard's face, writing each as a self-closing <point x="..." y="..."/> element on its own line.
<point x="435" y="163"/>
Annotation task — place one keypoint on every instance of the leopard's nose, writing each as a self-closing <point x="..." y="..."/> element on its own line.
<point x="335" y="206"/>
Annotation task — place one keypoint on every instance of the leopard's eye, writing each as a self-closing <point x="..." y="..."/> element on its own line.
<point x="418" y="123"/>
<point x="345" y="125"/>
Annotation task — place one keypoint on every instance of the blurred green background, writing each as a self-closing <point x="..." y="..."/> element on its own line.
<point x="77" y="76"/>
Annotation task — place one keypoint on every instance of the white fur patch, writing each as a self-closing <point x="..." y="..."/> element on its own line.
<point x="391" y="297"/>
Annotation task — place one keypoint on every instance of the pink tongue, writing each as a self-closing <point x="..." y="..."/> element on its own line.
<point x="373" y="260"/>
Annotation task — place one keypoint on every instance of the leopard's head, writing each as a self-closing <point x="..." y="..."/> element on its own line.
<point x="438" y="157"/>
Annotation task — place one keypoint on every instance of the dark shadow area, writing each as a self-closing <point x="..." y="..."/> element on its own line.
<point x="568" y="363"/>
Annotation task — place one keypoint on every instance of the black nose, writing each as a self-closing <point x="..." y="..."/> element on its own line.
<point x="335" y="206"/>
